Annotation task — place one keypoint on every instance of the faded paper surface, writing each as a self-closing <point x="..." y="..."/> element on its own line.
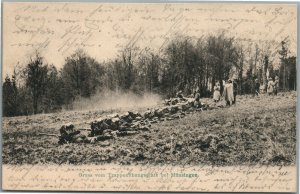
<point x="150" y="178"/>
<point x="57" y="29"/>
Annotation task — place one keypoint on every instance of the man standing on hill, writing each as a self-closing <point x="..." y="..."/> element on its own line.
<point x="216" y="95"/>
<point x="270" y="87"/>
<point x="276" y="85"/>
<point x="228" y="93"/>
<point x="257" y="86"/>
<point x="235" y="89"/>
<point x="197" y="102"/>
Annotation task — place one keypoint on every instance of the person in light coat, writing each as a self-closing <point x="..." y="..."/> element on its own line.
<point x="228" y="93"/>
<point x="270" y="87"/>
<point x="217" y="94"/>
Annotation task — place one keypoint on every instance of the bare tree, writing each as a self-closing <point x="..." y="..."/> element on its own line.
<point x="36" y="79"/>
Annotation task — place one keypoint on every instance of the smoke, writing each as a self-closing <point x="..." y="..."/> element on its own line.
<point x="110" y="100"/>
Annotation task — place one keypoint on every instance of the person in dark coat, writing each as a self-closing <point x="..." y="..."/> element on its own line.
<point x="276" y="85"/>
<point x="235" y="90"/>
<point x="257" y="86"/>
<point x="197" y="102"/>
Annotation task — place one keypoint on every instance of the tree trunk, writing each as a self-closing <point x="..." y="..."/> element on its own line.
<point x="265" y="78"/>
<point x="35" y="104"/>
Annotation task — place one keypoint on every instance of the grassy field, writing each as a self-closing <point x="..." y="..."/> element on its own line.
<point x="260" y="130"/>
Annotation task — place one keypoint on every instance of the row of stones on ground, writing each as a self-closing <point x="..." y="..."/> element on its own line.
<point x="130" y="123"/>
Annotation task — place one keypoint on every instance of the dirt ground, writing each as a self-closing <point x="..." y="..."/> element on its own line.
<point x="259" y="130"/>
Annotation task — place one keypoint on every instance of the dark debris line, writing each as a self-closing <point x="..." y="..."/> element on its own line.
<point x="130" y="123"/>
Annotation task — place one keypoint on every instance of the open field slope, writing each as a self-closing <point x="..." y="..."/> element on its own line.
<point x="260" y="130"/>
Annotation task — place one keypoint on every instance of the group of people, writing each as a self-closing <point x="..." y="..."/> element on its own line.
<point x="229" y="92"/>
<point x="231" y="88"/>
<point x="273" y="86"/>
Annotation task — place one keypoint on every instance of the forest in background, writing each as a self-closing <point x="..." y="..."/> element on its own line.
<point x="184" y="64"/>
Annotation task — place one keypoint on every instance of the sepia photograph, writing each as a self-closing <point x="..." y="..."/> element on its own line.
<point x="169" y="97"/>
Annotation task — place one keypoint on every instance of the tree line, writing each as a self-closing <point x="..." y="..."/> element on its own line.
<point x="184" y="64"/>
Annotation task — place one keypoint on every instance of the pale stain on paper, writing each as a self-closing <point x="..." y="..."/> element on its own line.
<point x="58" y="29"/>
<point x="150" y="178"/>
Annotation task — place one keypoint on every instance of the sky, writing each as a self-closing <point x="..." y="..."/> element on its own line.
<point x="56" y="30"/>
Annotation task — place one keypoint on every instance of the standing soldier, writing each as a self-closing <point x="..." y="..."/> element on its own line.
<point x="197" y="102"/>
<point x="257" y="86"/>
<point x="270" y="88"/>
<point x="217" y="92"/>
<point x="228" y="93"/>
<point x="276" y="85"/>
<point x="235" y="89"/>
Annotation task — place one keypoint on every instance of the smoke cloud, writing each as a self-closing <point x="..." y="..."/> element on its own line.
<point x="110" y="100"/>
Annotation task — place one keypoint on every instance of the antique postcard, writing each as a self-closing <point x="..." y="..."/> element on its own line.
<point x="189" y="97"/>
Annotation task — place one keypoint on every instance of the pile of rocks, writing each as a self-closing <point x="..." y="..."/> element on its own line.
<point x="129" y="123"/>
<point x="68" y="134"/>
<point x="106" y="128"/>
<point x="126" y="124"/>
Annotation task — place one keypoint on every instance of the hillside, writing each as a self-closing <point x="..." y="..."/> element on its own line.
<point x="260" y="130"/>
